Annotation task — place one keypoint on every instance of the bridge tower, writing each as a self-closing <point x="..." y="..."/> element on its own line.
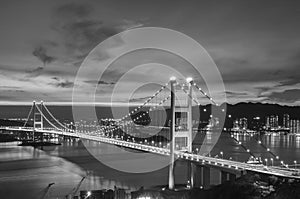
<point x="181" y="130"/>
<point x="183" y="122"/>
<point x="37" y="116"/>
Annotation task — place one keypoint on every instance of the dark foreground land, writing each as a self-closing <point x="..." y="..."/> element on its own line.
<point x="247" y="187"/>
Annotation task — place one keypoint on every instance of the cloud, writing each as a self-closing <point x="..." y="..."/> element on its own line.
<point x="231" y="61"/>
<point x="73" y="10"/>
<point x="64" y="84"/>
<point x="291" y="81"/>
<point x="139" y="99"/>
<point x="80" y="32"/>
<point x="99" y="82"/>
<point x="35" y="72"/>
<point x="10" y="87"/>
<point x="10" y="93"/>
<point x="41" y="53"/>
<point x="232" y="93"/>
<point x="292" y="95"/>
<point x="6" y="97"/>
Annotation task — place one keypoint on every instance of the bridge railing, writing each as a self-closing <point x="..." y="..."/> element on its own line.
<point x="165" y="151"/>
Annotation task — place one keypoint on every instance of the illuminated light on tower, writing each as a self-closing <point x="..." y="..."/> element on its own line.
<point x="189" y="79"/>
<point x="173" y="78"/>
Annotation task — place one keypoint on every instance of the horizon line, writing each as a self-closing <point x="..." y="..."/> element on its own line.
<point x="57" y="103"/>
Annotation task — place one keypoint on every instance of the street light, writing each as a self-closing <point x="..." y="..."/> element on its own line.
<point x="222" y="154"/>
<point x="295" y="162"/>
<point x="272" y="161"/>
<point x="88" y="194"/>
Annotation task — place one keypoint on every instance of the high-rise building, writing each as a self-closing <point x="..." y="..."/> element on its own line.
<point x="241" y="123"/>
<point x="236" y="124"/>
<point x="255" y="124"/>
<point x="286" y="121"/>
<point x="272" y="121"/>
<point x="268" y="122"/>
<point x="294" y="126"/>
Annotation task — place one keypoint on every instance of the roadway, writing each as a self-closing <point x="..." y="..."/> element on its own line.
<point x="225" y="164"/>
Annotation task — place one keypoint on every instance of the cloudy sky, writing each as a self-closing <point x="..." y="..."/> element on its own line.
<point x="255" y="45"/>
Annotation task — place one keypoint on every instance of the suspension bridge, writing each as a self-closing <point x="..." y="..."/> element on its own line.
<point x="177" y="128"/>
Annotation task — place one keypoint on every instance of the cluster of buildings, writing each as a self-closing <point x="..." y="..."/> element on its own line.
<point x="240" y="123"/>
<point x="117" y="193"/>
<point x="293" y="125"/>
<point x="272" y="123"/>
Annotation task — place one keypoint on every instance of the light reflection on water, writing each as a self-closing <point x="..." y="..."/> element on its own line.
<point x="25" y="171"/>
<point x="286" y="147"/>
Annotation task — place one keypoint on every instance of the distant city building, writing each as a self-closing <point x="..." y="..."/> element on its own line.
<point x="294" y="126"/>
<point x="256" y="124"/>
<point x="214" y="122"/>
<point x="243" y="123"/>
<point x="240" y="123"/>
<point x="119" y="193"/>
<point x="286" y="121"/>
<point x="272" y="122"/>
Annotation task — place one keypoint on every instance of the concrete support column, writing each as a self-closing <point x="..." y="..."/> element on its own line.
<point x="41" y="119"/>
<point x="191" y="172"/>
<point x="232" y="177"/>
<point x="206" y="177"/>
<point x="198" y="175"/>
<point x="172" y="135"/>
<point x="224" y="176"/>
<point x="34" y="118"/>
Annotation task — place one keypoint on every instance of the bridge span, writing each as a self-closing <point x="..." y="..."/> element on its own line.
<point x="179" y="126"/>
<point x="230" y="166"/>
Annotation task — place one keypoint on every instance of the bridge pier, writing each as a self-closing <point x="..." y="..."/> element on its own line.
<point x="191" y="172"/>
<point x="224" y="176"/>
<point x="198" y="176"/>
<point x="172" y="135"/>
<point x="232" y="177"/>
<point x="206" y="177"/>
<point x="41" y="137"/>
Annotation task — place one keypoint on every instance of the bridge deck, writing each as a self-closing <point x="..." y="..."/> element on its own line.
<point x="209" y="161"/>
